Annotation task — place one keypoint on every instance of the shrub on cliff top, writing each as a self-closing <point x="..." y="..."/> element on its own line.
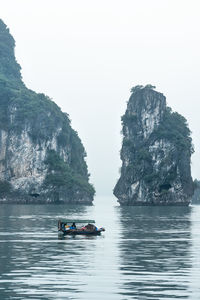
<point x="140" y="87"/>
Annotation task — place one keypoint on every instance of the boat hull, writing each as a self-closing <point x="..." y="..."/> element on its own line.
<point x="79" y="232"/>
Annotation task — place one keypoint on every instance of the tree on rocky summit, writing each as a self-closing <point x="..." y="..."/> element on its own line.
<point x="149" y="86"/>
<point x="136" y="88"/>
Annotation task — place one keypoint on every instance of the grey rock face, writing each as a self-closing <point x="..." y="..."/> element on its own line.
<point x="23" y="165"/>
<point x="155" y="153"/>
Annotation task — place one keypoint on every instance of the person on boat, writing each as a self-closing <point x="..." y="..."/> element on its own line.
<point x="73" y="226"/>
<point x="63" y="226"/>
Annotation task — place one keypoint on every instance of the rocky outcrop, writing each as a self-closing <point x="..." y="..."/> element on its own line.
<point x="41" y="157"/>
<point x="155" y="153"/>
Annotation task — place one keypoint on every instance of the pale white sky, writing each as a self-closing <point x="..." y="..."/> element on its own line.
<point x="87" y="54"/>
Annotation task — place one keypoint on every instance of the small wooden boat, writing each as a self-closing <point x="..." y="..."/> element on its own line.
<point x="68" y="227"/>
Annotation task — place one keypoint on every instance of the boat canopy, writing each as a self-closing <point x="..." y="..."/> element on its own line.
<point x="76" y="221"/>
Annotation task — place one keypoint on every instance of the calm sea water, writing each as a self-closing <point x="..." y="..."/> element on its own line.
<point x="145" y="253"/>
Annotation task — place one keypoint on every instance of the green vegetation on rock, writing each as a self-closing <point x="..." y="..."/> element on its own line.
<point x="9" y="68"/>
<point x="60" y="174"/>
<point x="5" y="188"/>
<point x="174" y="128"/>
<point x="196" y="196"/>
<point x="141" y="87"/>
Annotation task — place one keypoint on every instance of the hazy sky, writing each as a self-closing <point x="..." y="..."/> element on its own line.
<point x="87" y="54"/>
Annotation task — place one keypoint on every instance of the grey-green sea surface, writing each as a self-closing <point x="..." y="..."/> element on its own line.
<point x="145" y="253"/>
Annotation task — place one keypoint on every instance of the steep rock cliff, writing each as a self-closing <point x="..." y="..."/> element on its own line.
<point x="155" y="153"/>
<point x="41" y="157"/>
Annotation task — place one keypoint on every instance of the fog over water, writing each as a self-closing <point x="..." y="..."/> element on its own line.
<point x="86" y="55"/>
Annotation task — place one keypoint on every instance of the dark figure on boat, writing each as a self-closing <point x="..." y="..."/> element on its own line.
<point x="73" y="226"/>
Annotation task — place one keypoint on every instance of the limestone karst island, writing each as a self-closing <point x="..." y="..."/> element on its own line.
<point x="155" y="154"/>
<point x="41" y="157"/>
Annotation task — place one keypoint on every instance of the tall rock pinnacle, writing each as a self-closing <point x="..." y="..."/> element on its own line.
<point x="155" y="154"/>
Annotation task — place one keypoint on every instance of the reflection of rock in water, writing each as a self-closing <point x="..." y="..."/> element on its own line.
<point x="154" y="250"/>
